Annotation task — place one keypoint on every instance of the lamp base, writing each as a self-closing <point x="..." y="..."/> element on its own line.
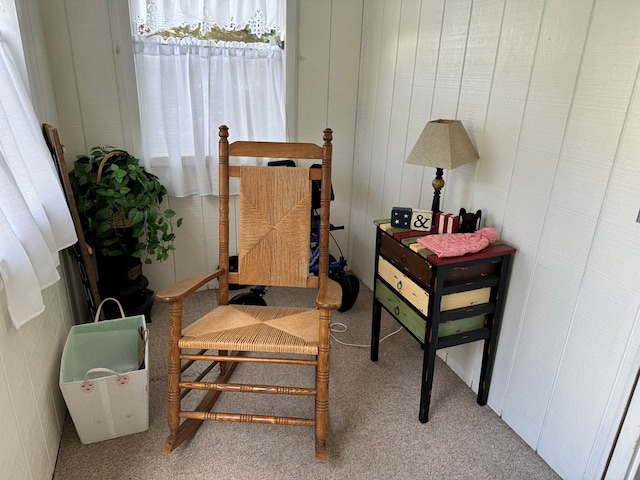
<point x="438" y="184"/>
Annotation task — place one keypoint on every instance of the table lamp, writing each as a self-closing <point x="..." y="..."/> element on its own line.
<point x="442" y="144"/>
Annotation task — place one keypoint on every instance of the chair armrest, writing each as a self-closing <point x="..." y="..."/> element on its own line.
<point x="179" y="290"/>
<point x="329" y="294"/>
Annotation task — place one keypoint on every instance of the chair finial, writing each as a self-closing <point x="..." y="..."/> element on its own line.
<point x="328" y="135"/>
<point x="223" y="131"/>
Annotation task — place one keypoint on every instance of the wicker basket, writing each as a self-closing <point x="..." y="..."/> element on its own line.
<point x="118" y="219"/>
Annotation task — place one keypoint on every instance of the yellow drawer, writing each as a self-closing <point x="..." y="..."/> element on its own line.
<point x="404" y="285"/>
<point x="419" y="298"/>
<point x="465" y="299"/>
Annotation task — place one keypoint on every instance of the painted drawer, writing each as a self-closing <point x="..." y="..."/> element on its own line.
<point x="399" y="309"/>
<point x="465" y="299"/>
<point x="414" y="321"/>
<point x="462" y="325"/>
<point x="419" y="298"/>
<point x="470" y="273"/>
<point x="406" y="259"/>
<point x="402" y="284"/>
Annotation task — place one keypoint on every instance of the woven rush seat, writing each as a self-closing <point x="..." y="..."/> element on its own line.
<point x="250" y="328"/>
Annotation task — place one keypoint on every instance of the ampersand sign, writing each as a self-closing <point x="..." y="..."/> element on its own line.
<point x="421" y="220"/>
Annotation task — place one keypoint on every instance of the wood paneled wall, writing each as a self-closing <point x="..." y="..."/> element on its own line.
<point x="547" y="92"/>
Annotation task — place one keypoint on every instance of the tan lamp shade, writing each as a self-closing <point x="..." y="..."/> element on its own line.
<point x="443" y="144"/>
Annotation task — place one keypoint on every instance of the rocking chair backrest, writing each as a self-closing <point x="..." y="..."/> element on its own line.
<point x="275" y="213"/>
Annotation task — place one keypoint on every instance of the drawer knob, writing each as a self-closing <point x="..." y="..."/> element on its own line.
<point x="396" y="310"/>
<point x="403" y="259"/>
<point x="399" y="285"/>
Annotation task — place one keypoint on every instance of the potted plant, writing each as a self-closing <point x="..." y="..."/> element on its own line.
<point x="119" y="204"/>
<point x="114" y="192"/>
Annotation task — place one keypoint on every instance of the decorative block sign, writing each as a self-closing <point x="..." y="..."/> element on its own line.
<point x="421" y="220"/>
<point x="401" y="217"/>
<point x="447" y="222"/>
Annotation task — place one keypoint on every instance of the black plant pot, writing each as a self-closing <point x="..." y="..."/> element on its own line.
<point x="133" y="295"/>
<point x="138" y="304"/>
<point x="117" y="270"/>
<point x="121" y="277"/>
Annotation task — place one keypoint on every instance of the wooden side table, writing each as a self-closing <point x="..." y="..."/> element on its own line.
<point x="441" y="302"/>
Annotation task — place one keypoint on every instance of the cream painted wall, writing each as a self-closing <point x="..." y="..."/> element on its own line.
<point x="547" y="91"/>
<point x="32" y="406"/>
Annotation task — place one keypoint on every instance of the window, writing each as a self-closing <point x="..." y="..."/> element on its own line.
<point x="34" y="217"/>
<point x="200" y="65"/>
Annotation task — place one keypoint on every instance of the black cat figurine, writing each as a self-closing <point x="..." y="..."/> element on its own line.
<point x="469" y="222"/>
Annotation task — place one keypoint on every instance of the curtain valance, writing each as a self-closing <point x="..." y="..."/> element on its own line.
<point x="258" y="16"/>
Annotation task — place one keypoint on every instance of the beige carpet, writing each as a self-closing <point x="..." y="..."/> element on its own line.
<point x="374" y="432"/>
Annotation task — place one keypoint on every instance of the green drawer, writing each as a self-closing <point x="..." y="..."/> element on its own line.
<point x="405" y="315"/>
<point x="415" y="323"/>
<point x="462" y="325"/>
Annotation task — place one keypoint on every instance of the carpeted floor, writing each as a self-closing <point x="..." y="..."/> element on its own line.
<point x="374" y="432"/>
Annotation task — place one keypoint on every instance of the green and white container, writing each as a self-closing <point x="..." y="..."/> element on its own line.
<point x="104" y="377"/>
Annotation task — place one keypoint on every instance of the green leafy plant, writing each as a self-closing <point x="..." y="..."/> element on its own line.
<point x="119" y="194"/>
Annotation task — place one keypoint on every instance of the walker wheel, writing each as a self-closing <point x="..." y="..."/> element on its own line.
<point x="350" y="289"/>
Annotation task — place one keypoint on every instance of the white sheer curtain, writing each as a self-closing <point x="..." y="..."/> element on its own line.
<point x="188" y="87"/>
<point x="34" y="217"/>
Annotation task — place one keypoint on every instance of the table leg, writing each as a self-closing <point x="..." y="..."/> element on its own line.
<point x="431" y="345"/>
<point x="428" y="365"/>
<point x="375" y="329"/>
<point x="485" y="373"/>
<point x="491" y="343"/>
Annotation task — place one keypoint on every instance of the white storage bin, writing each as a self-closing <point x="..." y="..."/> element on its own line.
<point x="104" y="377"/>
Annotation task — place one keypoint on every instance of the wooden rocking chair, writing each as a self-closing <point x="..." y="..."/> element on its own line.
<point x="273" y="250"/>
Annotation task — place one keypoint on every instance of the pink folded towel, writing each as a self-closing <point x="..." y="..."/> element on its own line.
<point x="456" y="244"/>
